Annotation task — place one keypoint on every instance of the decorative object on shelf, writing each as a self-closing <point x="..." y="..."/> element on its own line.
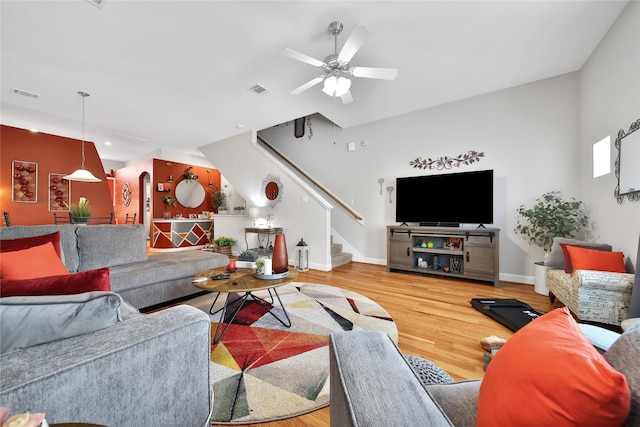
<point x="280" y="257"/>
<point x="272" y="190"/>
<point x="453" y="243"/>
<point x="160" y="187"/>
<point x="81" y="211"/>
<point x="238" y="210"/>
<point x="302" y="257"/>
<point x="390" y="190"/>
<point x="455" y="264"/>
<point x="209" y="184"/>
<point x="126" y="194"/>
<point x="550" y="217"/>
<point x="82" y="175"/>
<point x="222" y="245"/>
<point x="25" y="181"/>
<point x="447" y="162"/>
<point x="627" y="168"/>
<point x="189" y="175"/>
<point x="223" y="210"/>
<point x="59" y="193"/>
<point x="381" y="181"/>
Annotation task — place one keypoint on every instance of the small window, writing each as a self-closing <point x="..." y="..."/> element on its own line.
<point x="602" y="157"/>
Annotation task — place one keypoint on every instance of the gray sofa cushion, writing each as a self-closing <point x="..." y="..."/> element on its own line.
<point x="110" y="245"/>
<point x="28" y="321"/>
<point x="368" y="376"/>
<point x="623" y="357"/>
<point x="162" y="267"/>
<point x="68" y="240"/>
<point x="556" y="256"/>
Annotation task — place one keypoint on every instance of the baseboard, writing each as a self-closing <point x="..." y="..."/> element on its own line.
<point x="516" y="278"/>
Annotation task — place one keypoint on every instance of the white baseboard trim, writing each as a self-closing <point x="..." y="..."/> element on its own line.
<point x="516" y="278"/>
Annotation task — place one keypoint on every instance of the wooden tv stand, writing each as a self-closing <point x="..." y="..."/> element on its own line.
<point x="470" y="253"/>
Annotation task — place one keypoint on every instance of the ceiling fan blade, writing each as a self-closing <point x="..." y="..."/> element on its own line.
<point x="307" y="85"/>
<point x="301" y="57"/>
<point x="353" y="43"/>
<point x="347" y="97"/>
<point x="374" y="73"/>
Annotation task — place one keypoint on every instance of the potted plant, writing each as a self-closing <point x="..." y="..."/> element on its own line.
<point x="189" y="175"/>
<point x="219" y="199"/>
<point x="223" y="210"/>
<point x="80" y="212"/>
<point x="247" y="255"/>
<point x="260" y="265"/>
<point x="168" y="201"/>
<point x="223" y="245"/>
<point x="238" y="210"/>
<point x="550" y="217"/>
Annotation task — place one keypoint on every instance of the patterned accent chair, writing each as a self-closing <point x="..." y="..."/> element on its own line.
<point x="592" y="296"/>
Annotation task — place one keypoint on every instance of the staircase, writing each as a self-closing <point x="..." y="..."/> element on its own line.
<point x="338" y="257"/>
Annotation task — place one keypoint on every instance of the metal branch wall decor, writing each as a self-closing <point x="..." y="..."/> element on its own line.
<point x="447" y="162"/>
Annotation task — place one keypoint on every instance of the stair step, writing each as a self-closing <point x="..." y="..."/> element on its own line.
<point x="336" y="249"/>
<point x="341" y="259"/>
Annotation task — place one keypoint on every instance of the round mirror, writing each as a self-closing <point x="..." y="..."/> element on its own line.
<point x="190" y="193"/>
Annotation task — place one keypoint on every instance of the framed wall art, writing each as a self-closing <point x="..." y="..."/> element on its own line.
<point x="25" y="181"/>
<point x="59" y="193"/>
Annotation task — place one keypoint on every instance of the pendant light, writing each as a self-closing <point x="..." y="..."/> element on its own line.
<point x="82" y="175"/>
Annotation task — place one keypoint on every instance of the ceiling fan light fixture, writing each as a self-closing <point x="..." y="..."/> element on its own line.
<point x="336" y="86"/>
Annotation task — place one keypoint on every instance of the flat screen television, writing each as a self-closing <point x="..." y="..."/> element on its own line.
<point x="446" y="199"/>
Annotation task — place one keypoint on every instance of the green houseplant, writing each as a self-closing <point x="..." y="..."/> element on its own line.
<point x="169" y="200"/>
<point x="219" y="199"/>
<point x="81" y="211"/>
<point x="550" y="217"/>
<point x="223" y="245"/>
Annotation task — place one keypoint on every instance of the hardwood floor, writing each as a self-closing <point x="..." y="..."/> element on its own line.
<point x="433" y="315"/>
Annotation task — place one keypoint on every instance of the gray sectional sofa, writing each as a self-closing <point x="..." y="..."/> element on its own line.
<point x="142" y="280"/>
<point x="92" y="357"/>
<point x="373" y="385"/>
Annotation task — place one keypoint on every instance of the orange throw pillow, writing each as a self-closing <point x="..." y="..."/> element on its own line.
<point x="549" y="374"/>
<point x="590" y="259"/>
<point x="31" y="263"/>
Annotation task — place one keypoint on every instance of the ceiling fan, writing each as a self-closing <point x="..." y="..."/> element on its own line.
<point x="336" y="66"/>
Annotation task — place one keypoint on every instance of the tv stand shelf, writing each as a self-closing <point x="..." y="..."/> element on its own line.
<point x="468" y="253"/>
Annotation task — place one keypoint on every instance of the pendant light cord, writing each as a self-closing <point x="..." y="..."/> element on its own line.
<point x="83" y="95"/>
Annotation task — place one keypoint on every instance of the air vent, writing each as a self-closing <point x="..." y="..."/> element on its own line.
<point x="259" y="89"/>
<point x="97" y="3"/>
<point x="25" y="93"/>
<point x="129" y="138"/>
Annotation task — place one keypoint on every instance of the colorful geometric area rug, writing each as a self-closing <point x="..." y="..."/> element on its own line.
<point x="263" y="371"/>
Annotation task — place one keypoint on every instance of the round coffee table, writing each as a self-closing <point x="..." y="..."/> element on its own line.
<point x="239" y="287"/>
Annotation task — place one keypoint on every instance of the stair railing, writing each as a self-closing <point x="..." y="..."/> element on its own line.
<point x="326" y="191"/>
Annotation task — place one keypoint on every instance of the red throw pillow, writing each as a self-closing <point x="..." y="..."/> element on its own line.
<point x="591" y="259"/>
<point x="568" y="267"/>
<point x="549" y="374"/>
<point x="38" y="261"/>
<point x="66" y="284"/>
<point x="10" y="245"/>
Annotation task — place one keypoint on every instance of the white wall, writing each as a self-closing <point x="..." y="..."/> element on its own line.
<point x="528" y="134"/>
<point x="610" y="101"/>
<point x="301" y="213"/>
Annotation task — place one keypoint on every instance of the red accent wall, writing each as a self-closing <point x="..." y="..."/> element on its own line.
<point x="53" y="154"/>
<point x="162" y="169"/>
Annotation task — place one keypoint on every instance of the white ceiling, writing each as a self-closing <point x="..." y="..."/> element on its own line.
<point x="176" y="73"/>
